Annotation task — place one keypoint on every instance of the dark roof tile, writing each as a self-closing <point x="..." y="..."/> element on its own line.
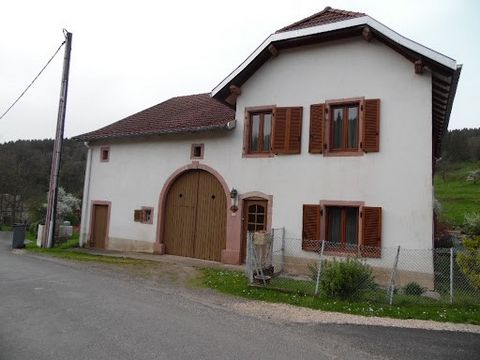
<point x="179" y="114"/>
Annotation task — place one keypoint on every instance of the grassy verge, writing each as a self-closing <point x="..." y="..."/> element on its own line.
<point x="68" y="251"/>
<point x="457" y="196"/>
<point x="234" y="283"/>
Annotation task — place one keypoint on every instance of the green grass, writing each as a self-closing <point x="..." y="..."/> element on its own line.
<point x="408" y="307"/>
<point x="457" y="196"/>
<point x="69" y="251"/>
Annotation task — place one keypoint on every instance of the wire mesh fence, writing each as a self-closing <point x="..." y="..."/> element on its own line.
<point x="351" y="272"/>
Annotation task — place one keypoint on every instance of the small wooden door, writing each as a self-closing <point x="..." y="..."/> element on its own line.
<point x="99" y="226"/>
<point x="195" y="216"/>
<point x="254" y="219"/>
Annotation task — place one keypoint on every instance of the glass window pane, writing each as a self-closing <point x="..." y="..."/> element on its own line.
<point x="251" y="218"/>
<point x="260" y="227"/>
<point x="251" y="227"/>
<point x="252" y="209"/>
<point x="254" y="144"/>
<point x="352" y="225"/>
<point x="352" y="127"/>
<point x="334" y="221"/>
<point x="267" y="129"/>
<point x="260" y="209"/>
<point x="260" y="219"/>
<point x="337" y="128"/>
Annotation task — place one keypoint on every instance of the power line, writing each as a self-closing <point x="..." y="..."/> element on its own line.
<point x="36" y="77"/>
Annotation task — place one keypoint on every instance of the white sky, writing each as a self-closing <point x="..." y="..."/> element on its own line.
<point x="129" y="55"/>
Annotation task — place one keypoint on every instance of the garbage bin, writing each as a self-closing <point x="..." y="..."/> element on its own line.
<point x="18" y="241"/>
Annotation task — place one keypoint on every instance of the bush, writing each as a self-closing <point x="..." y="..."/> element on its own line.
<point x="413" y="288"/>
<point x="472" y="224"/>
<point x="347" y="279"/>
<point x="469" y="260"/>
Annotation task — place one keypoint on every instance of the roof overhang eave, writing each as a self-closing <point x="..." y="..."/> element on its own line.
<point x="153" y="133"/>
<point x="319" y="29"/>
<point x="448" y="109"/>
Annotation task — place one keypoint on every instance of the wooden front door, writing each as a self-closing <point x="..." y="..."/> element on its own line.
<point x="99" y="226"/>
<point x="195" y="216"/>
<point x="254" y="219"/>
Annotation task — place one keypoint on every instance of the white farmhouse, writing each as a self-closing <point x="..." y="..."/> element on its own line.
<point x="330" y="129"/>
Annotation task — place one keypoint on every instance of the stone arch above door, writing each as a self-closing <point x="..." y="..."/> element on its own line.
<point x="231" y="252"/>
<point x="248" y="198"/>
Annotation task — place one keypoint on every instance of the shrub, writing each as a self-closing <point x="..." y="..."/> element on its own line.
<point x="413" y="288"/>
<point x="472" y="224"/>
<point x="347" y="279"/>
<point x="469" y="260"/>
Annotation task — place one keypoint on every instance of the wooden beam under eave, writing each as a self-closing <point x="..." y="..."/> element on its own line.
<point x="231" y="99"/>
<point x="235" y="92"/>
<point x="367" y="34"/>
<point x="419" y="66"/>
<point x="273" y="50"/>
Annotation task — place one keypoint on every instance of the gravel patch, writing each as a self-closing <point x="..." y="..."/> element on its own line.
<point x="290" y="313"/>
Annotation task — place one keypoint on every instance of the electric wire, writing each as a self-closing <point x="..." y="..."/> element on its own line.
<point x="31" y="83"/>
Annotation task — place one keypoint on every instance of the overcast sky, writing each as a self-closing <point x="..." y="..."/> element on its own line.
<point x="129" y="55"/>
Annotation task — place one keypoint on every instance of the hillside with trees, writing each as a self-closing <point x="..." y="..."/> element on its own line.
<point x="457" y="178"/>
<point x="25" y="174"/>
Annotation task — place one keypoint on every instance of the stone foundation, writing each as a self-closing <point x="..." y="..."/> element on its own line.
<point x="299" y="266"/>
<point x="120" y="244"/>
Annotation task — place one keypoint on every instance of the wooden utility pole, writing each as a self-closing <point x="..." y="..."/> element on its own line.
<point x="49" y="229"/>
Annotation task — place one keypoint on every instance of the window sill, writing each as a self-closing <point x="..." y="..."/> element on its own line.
<point x="344" y="153"/>
<point x="258" y="155"/>
<point x="363" y="253"/>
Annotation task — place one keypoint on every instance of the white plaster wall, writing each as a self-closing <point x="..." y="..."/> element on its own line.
<point x="398" y="178"/>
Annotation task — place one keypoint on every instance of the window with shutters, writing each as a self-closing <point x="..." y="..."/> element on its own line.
<point x="346" y="127"/>
<point x="346" y="227"/>
<point x="272" y="131"/>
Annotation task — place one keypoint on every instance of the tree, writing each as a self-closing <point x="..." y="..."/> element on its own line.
<point x="67" y="205"/>
<point x="469" y="260"/>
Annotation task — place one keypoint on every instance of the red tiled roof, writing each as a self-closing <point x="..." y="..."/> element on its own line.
<point x="179" y="114"/>
<point x="326" y="16"/>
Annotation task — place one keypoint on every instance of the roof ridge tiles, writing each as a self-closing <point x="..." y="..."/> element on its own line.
<point x="326" y="16"/>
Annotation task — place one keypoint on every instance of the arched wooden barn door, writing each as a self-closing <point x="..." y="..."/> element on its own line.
<point x="195" y="216"/>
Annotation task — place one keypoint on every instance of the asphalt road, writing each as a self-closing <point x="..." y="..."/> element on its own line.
<point x="53" y="309"/>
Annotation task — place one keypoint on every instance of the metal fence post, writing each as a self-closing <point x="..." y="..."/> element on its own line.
<point x="451" y="275"/>
<point x="391" y="287"/>
<point x="249" y="259"/>
<point x="319" y="267"/>
<point x="283" y="249"/>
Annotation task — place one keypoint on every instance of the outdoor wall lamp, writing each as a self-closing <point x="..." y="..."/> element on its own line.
<point x="234" y="197"/>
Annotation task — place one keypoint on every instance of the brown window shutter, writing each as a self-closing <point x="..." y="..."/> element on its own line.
<point x="294" y="130"/>
<point x="371" y="126"/>
<point x="317" y="120"/>
<point x="279" y="130"/>
<point x="138" y="215"/>
<point x="287" y="130"/>
<point x="371" y="231"/>
<point x="311" y="228"/>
